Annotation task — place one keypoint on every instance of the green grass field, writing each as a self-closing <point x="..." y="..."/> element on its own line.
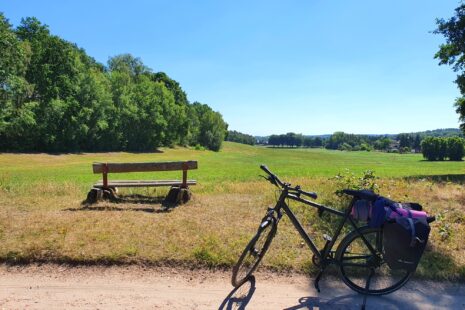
<point x="42" y="218"/>
<point x="234" y="163"/>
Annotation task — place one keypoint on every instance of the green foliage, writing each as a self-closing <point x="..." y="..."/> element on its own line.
<point x="430" y="148"/>
<point x="452" y="53"/>
<point x="434" y="148"/>
<point x="239" y="137"/>
<point x="290" y="139"/>
<point x="345" y="147"/>
<point x="350" y="180"/>
<point x="365" y="147"/>
<point x="455" y="148"/>
<point x="211" y="127"/>
<point x="56" y="98"/>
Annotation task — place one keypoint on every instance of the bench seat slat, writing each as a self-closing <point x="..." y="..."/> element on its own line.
<point x="144" y="183"/>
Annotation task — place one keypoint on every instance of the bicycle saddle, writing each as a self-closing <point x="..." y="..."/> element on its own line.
<point x="361" y="194"/>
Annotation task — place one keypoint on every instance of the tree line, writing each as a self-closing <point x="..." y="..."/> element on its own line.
<point x="401" y="143"/>
<point x="56" y="98"/>
<point x="336" y="141"/>
<point x="294" y="140"/>
<point x="239" y="137"/>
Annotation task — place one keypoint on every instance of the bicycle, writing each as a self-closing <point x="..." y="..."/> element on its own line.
<point x="359" y="255"/>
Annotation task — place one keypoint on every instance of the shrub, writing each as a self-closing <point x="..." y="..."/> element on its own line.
<point x="349" y="180"/>
<point x="430" y="148"/>
<point x="442" y="148"/>
<point x="455" y="148"/>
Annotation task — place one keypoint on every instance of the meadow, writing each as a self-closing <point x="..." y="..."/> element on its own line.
<point x="43" y="217"/>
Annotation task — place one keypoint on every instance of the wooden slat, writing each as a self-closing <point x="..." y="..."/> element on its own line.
<point x="145" y="167"/>
<point x="145" y="183"/>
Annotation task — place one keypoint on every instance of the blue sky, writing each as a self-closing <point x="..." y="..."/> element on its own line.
<point x="310" y="67"/>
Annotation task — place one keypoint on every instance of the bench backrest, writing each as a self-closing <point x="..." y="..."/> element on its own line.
<point x="144" y="167"/>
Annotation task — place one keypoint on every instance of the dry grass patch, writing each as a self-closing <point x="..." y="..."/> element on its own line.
<point x="211" y="230"/>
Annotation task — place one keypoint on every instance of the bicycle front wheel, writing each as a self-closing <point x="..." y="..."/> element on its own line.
<point x="366" y="271"/>
<point x="254" y="252"/>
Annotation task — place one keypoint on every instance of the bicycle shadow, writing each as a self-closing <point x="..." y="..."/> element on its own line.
<point x="342" y="302"/>
<point x="240" y="296"/>
<point x="416" y="295"/>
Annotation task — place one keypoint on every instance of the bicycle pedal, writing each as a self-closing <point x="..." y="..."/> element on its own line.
<point x="327" y="237"/>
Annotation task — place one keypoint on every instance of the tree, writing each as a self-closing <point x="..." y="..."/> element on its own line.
<point x="430" y="148"/>
<point x="383" y="144"/>
<point x="17" y="116"/>
<point x="452" y="53"/>
<point x="308" y="142"/>
<point x="435" y="148"/>
<point x="239" y="137"/>
<point x="417" y="143"/>
<point x="455" y="148"/>
<point x="317" y="142"/>
<point x="212" y="128"/>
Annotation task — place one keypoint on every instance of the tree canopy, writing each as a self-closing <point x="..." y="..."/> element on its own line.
<point x="56" y="98"/>
<point x="452" y="53"/>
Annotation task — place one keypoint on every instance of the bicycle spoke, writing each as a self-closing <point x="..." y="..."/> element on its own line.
<point x="359" y="256"/>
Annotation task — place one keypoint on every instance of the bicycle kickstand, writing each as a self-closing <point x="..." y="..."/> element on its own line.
<point x="317" y="280"/>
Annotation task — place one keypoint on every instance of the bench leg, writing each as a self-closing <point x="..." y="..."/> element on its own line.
<point x="178" y="195"/>
<point x="94" y="195"/>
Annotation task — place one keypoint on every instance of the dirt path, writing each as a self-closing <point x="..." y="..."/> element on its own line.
<point x="58" y="287"/>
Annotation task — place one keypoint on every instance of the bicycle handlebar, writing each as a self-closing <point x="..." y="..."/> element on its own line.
<point x="276" y="181"/>
<point x="309" y="194"/>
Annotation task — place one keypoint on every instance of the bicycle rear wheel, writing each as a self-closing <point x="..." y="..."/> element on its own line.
<point x="365" y="272"/>
<point x="254" y="252"/>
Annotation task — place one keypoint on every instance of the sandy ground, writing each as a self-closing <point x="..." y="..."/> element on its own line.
<point x="135" y="287"/>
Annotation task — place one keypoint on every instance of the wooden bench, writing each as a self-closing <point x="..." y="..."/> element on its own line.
<point x="179" y="188"/>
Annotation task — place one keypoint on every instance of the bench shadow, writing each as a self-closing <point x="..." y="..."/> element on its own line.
<point x="440" y="178"/>
<point x="240" y="296"/>
<point x="160" y="201"/>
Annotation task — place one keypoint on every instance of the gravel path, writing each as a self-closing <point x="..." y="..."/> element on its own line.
<point x="135" y="287"/>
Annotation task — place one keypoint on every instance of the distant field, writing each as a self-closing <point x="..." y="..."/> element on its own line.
<point x="42" y="218"/>
<point x="236" y="163"/>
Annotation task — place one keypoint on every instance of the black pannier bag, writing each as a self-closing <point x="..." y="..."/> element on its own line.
<point x="404" y="241"/>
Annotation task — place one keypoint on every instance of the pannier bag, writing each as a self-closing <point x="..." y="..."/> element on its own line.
<point x="405" y="229"/>
<point x="384" y="209"/>
<point x="361" y="210"/>
<point x="404" y="241"/>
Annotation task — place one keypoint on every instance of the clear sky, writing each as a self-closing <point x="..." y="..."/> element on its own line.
<point x="308" y="66"/>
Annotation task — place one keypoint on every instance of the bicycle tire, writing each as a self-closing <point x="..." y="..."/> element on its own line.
<point x="262" y="239"/>
<point x="355" y="258"/>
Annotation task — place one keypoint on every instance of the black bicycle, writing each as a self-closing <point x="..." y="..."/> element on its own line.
<point x="359" y="255"/>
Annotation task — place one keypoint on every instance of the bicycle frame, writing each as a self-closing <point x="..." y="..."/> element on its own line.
<point x="323" y="255"/>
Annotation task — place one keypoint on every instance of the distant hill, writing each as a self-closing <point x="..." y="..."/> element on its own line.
<point x="446" y="132"/>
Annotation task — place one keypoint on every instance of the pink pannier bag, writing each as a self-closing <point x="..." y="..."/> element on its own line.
<point x="399" y="211"/>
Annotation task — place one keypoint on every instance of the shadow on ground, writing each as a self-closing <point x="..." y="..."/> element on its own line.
<point x="416" y="294"/>
<point x="157" y="204"/>
<point x="335" y="295"/>
<point x="442" y="178"/>
<point x="240" y="296"/>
